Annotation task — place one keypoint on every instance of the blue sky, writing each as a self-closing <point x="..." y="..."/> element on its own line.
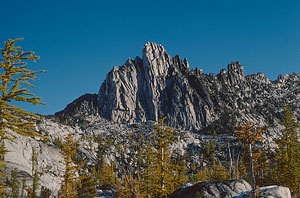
<point x="80" y="41"/>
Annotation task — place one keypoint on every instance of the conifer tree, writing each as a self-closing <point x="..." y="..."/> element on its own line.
<point x="265" y="169"/>
<point x="45" y="192"/>
<point x="287" y="154"/>
<point x="248" y="135"/>
<point x="161" y="170"/>
<point x="33" y="160"/>
<point x="32" y="192"/>
<point x="220" y="172"/>
<point x="123" y="188"/>
<point x="202" y="175"/>
<point x="107" y="175"/>
<point x="180" y="176"/>
<point x="14" y="78"/>
<point x="23" y="187"/>
<point x="68" y="188"/>
<point x="2" y="172"/>
<point x="86" y="186"/>
<point x="128" y="187"/>
<point x="145" y="173"/>
<point x="14" y="184"/>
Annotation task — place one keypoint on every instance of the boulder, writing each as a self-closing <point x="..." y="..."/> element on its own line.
<point x="212" y="189"/>
<point x="229" y="188"/>
<point x="275" y="192"/>
<point x="270" y="192"/>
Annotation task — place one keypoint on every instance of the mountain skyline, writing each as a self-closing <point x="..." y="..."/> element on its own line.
<point x="80" y="42"/>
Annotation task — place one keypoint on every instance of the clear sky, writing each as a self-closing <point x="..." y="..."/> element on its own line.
<point x="80" y="41"/>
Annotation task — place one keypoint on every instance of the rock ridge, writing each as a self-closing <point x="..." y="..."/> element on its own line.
<point x="158" y="85"/>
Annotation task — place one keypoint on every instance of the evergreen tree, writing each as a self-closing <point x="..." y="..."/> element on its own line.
<point x="68" y="188"/>
<point x="265" y="170"/>
<point x="180" y="176"/>
<point x="248" y="135"/>
<point x="14" y="184"/>
<point x="14" y="77"/>
<point x="123" y="189"/>
<point x="107" y="175"/>
<point x="128" y="187"/>
<point x="145" y="173"/>
<point x="287" y="154"/>
<point x="35" y="184"/>
<point x="86" y="186"/>
<point x="202" y="175"/>
<point x="2" y="172"/>
<point x="220" y="172"/>
<point x="45" y="192"/>
<point x="161" y="171"/>
<point x="181" y="170"/>
<point x="32" y="192"/>
<point x="23" y="187"/>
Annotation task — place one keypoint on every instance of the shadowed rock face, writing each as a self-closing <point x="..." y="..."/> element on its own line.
<point x="158" y="85"/>
<point x="76" y="112"/>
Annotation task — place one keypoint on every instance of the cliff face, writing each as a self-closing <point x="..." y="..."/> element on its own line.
<point x="158" y="85"/>
<point x="148" y="89"/>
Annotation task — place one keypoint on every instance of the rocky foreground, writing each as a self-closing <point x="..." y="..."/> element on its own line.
<point x="228" y="189"/>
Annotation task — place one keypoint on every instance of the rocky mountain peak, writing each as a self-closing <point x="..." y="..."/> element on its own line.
<point x="158" y="85"/>
<point x="235" y="72"/>
<point x="156" y="61"/>
<point x="76" y="111"/>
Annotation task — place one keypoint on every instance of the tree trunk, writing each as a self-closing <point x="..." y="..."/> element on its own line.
<point x="162" y="178"/>
<point x="231" y="169"/>
<point x="252" y="169"/>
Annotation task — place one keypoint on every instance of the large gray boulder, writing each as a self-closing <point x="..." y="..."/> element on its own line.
<point x="270" y="192"/>
<point x="212" y="189"/>
<point x="275" y="192"/>
<point x="228" y="189"/>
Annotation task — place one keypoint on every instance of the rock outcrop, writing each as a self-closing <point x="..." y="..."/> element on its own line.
<point x="228" y="189"/>
<point x="158" y="85"/>
<point x="212" y="189"/>
<point x="49" y="161"/>
<point x="275" y="192"/>
<point x="78" y="110"/>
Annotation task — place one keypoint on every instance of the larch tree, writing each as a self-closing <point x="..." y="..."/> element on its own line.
<point x="161" y="170"/>
<point x="248" y="134"/>
<point x="86" y="186"/>
<point x="15" y="79"/>
<point x="24" y="186"/>
<point x="68" y="188"/>
<point x="145" y="172"/>
<point x="32" y="192"/>
<point x="2" y="171"/>
<point x="128" y="186"/>
<point x="287" y="154"/>
<point x="14" y="184"/>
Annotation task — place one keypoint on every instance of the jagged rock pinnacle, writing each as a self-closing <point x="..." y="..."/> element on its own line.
<point x="158" y="85"/>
